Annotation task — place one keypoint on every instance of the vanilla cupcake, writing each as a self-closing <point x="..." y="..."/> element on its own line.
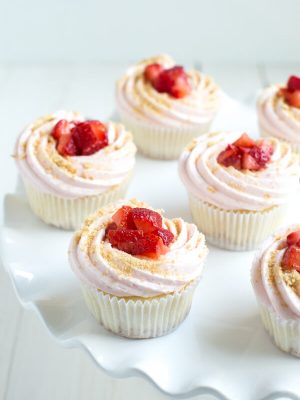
<point x="278" y="109"/>
<point x="276" y="282"/>
<point x="71" y="166"/>
<point x="138" y="270"/>
<point x="165" y="106"/>
<point x="239" y="189"/>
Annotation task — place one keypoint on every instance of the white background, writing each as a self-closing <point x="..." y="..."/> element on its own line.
<point x="116" y="30"/>
<point x="68" y="54"/>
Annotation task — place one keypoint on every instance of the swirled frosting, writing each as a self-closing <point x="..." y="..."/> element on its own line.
<point x="275" y="287"/>
<point x="276" y="117"/>
<point x="97" y="263"/>
<point x="231" y="189"/>
<point x="136" y="97"/>
<point x="76" y="176"/>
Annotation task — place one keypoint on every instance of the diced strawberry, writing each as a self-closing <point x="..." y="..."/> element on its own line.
<point x="151" y="246"/>
<point x="245" y="153"/>
<point x="110" y="227"/>
<point x="138" y="231"/>
<point x="166" y="236"/>
<point x="62" y="127"/>
<point x="293" y="83"/>
<point x="66" y="145"/>
<point x="123" y="218"/>
<point x="173" y="81"/>
<point x="89" y="137"/>
<point x="293" y="98"/>
<point x="244" y="141"/>
<point x="152" y="71"/>
<point x="248" y="162"/>
<point x="98" y="128"/>
<point x="293" y="238"/>
<point x="122" y="238"/>
<point x="230" y="157"/>
<point x="291" y="258"/>
<point x="145" y="219"/>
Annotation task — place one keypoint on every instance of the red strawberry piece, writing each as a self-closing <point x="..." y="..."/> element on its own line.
<point x="63" y="127"/>
<point x="291" y="258"/>
<point x="151" y="246"/>
<point x="293" y="238"/>
<point x="166" y="236"/>
<point x="262" y="154"/>
<point x="146" y="220"/>
<point x="66" y="145"/>
<point x="89" y="137"/>
<point x="173" y="81"/>
<point x="112" y="226"/>
<point x="293" y="83"/>
<point x="248" y="162"/>
<point x="123" y="218"/>
<point x="124" y="239"/>
<point x="244" y="141"/>
<point x="152" y="71"/>
<point x="293" y="98"/>
<point x="230" y="157"/>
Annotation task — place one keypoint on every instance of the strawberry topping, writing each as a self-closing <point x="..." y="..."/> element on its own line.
<point x="79" y="138"/>
<point x="291" y="93"/>
<point x="173" y="81"/>
<point x="291" y="257"/>
<point x="246" y="154"/>
<point x="152" y="71"/>
<point x="146" y="220"/>
<point x="139" y="231"/>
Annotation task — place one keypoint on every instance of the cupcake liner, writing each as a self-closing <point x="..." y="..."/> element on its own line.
<point x="235" y="230"/>
<point x="285" y="333"/>
<point x="69" y="213"/>
<point x="295" y="147"/>
<point x="164" y="143"/>
<point x="141" y="318"/>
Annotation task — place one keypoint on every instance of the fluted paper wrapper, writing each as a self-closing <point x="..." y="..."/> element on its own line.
<point x="295" y="147"/>
<point x="142" y="318"/>
<point x="235" y="230"/>
<point x="70" y="213"/>
<point x="164" y="143"/>
<point x="285" y="333"/>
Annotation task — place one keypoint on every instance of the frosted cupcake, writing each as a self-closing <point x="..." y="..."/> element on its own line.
<point x="278" y="109"/>
<point x="165" y="106"/>
<point x="238" y="188"/>
<point x="138" y="270"/>
<point x="276" y="282"/>
<point x="71" y="166"/>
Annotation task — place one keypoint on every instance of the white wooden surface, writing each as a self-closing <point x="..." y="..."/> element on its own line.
<point x="32" y="365"/>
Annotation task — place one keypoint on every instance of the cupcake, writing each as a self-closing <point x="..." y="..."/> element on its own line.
<point x="71" y="166"/>
<point x="276" y="282"/>
<point x="278" y="109"/>
<point x="138" y="270"/>
<point x="165" y="106"/>
<point x="238" y="188"/>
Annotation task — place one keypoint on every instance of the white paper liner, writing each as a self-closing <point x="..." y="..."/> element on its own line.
<point x="295" y="147"/>
<point x="70" y="213"/>
<point x="164" y="143"/>
<point x="285" y="333"/>
<point x="235" y="230"/>
<point x="142" y="318"/>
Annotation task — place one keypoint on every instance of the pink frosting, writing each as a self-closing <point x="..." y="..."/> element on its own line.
<point x="98" y="264"/>
<point x="230" y="189"/>
<point x="276" y="117"/>
<point x="73" y="177"/>
<point x="268" y="277"/>
<point x="137" y="98"/>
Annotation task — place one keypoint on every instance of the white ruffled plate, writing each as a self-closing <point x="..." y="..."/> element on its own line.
<point x="221" y="348"/>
